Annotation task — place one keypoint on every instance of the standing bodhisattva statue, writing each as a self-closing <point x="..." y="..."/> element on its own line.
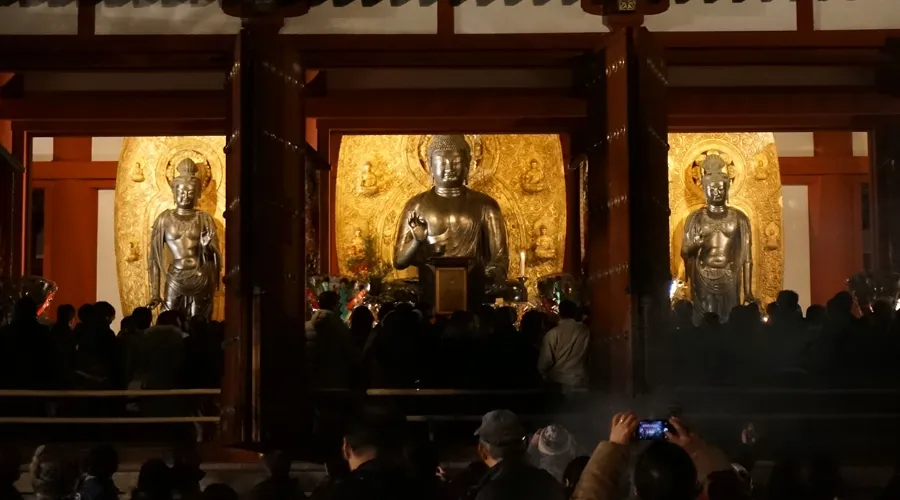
<point x="717" y="247"/>
<point x="192" y="277"/>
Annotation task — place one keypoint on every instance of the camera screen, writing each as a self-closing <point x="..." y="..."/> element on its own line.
<point x="649" y="430"/>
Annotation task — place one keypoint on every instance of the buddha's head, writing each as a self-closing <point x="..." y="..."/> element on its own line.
<point x="715" y="181"/>
<point x="449" y="157"/>
<point x="186" y="184"/>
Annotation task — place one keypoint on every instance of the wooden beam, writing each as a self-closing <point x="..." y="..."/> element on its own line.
<point x="829" y="143"/>
<point x="446" y="104"/>
<point x="124" y="128"/>
<point x="818" y="165"/>
<point x="768" y="109"/>
<point x="145" y="106"/>
<point x="72" y="149"/>
<point x="211" y="52"/>
<point x="445" y="20"/>
<point x="82" y="170"/>
<point x="87" y="17"/>
<point x="805" y="18"/>
<point x="420" y="125"/>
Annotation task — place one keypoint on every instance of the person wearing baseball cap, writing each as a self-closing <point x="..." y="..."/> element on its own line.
<point x="502" y="444"/>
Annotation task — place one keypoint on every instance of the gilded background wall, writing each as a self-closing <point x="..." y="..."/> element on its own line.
<point x="752" y="163"/>
<point x="377" y="174"/>
<point x="146" y="165"/>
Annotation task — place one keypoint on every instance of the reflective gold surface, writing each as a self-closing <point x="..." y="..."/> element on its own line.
<point x="752" y="164"/>
<point x="377" y="174"/>
<point x="141" y="198"/>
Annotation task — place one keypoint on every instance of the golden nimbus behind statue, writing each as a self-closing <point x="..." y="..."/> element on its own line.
<point x="377" y="174"/>
<point x="751" y="164"/>
<point x="146" y="169"/>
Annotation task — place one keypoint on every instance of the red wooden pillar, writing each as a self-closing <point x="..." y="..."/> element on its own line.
<point x="263" y="388"/>
<point x="884" y="154"/>
<point x="627" y="251"/>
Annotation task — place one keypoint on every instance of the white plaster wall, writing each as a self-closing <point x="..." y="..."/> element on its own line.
<point x="856" y="15"/>
<point x="107" y="280"/>
<point x="525" y="17"/>
<point x="795" y="213"/>
<point x="751" y="15"/>
<point x="795" y="143"/>
<point x="42" y="149"/>
<point x="106" y="148"/>
<point x="156" y="19"/>
<point x="39" y="20"/>
<point x="860" y="144"/>
<point x="357" y="19"/>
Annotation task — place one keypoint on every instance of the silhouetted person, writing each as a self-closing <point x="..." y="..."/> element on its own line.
<point x="573" y="473"/>
<point x="63" y="339"/>
<point x="154" y="481"/>
<point x="28" y="350"/>
<point x="564" y="351"/>
<point x="334" y="359"/>
<point x="186" y="473"/>
<point x="279" y="485"/>
<point x="97" y="483"/>
<point x="51" y="475"/>
<point x="9" y="474"/>
<point x="219" y="491"/>
<point x="99" y="362"/>
<point x="361" y="323"/>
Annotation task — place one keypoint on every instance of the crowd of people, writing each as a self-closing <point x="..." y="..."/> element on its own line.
<point x="82" y="351"/>
<point x="379" y="460"/>
<point x="835" y="345"/>
<point x="409" y="347"/>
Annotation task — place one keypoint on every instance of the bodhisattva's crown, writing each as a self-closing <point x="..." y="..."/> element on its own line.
<point x="714" y="169"/>
<point x="448" y="143"/>
<point x="186" y="171"/>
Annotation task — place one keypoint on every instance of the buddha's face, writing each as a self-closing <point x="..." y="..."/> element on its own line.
<point x="716" y="192"/>
<point x="449" y="168"/>
<point x="185" y="193"/>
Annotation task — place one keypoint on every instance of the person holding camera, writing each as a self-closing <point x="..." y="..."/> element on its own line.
<point x="677" y="465"/>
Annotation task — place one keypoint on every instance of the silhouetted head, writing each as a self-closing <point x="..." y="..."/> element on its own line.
<point x="169" y="318"/>
<point x="573" y="473"/>
<point x="219" y="491"/>
<point x="65" y="314"/>
<point x="86" y="314"/>
<point x="684" y="312"/>
<point x="102" y="461"/>
<point x="361" y="319"/>
<point x="105" y="312"/>
<point x="816" y="314"/>
<point x="840" y="306"/>
<point x="569" y="310"/>
<point x="329" y="301"/>
<point x="26" y="309"/>
<point x="277" y="463"/>
<point x="664" y="471"/>
<point x="142" y="318"/>
<point x="155" y="479"/>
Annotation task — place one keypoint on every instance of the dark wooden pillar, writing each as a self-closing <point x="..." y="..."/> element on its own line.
<point x="264" y="387"/>
<point x="884" y="155"/>
<point x="628" y="251"/>
<point x="12" y="205"/>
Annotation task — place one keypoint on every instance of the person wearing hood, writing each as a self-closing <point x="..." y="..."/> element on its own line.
<point x="551" y="449"/>
<point x="333" y="357"/>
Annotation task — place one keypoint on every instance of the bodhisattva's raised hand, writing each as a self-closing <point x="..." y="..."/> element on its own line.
<point x="419" y="226"/>
<point x="622" y="428"/>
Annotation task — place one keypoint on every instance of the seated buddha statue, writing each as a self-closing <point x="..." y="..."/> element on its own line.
<point x="451" y="220"/>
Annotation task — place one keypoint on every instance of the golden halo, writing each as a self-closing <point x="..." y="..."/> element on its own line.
<point x="693" y="170"/>
<point x="170" y="159"/>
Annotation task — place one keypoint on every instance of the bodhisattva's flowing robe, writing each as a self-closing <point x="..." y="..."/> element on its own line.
<point x="190" y="291"/>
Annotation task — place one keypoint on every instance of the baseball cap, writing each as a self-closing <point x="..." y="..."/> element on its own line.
<point x="500" y="427"/>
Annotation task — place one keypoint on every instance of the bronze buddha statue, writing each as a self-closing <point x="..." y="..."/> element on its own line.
<point x="189" y="234"/>
<point x="451" y="220"/>
<point x="716" y="247"/>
